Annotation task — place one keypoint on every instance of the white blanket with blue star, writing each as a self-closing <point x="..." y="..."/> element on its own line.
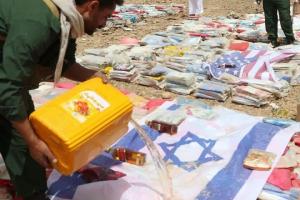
<point x="205" y="160"/>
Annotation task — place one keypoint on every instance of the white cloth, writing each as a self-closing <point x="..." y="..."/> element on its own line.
<point x="71" y="21"/>
<point x="195" y="7"/>
<point x="202" y="158"/>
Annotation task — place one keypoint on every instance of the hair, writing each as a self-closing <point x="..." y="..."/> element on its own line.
<point x="103" y="3"/>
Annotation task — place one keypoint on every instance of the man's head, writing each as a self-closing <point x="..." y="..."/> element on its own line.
<point x="96" y="12"/>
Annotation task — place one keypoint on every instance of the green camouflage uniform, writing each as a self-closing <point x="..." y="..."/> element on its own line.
<point x="271" y="19"/>
<point x="29" y="37"/>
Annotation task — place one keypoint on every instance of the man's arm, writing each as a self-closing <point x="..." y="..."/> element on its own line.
<point x="38" y="149"/>
<point x="77" y="72"/>
<point x="24" y="44"/>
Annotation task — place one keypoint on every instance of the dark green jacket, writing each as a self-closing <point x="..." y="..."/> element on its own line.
<point x="32" y="36"/>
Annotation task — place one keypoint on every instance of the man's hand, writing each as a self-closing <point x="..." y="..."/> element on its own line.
<point x="40" y="152"/>
<point x="101" y="75"/>
<point x="79" y="73"/>
<point x="38" y="149"/>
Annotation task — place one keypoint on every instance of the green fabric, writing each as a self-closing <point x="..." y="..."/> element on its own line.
<point x="27" y="176"/>
<point x="271" y="19"/>
<point x="32" y="37"/>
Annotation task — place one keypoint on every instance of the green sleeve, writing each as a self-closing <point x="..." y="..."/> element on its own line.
<point x="26" y="41"/>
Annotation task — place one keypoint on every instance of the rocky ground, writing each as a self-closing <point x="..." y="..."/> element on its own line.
<point x="103" y="38"/>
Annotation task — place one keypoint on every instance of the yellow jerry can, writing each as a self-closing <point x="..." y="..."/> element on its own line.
<point x="81" y="123"/>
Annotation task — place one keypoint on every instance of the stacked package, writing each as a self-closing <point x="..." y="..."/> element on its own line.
<point x="155" y="82"/>
<point x="166" y="120"/>
<point x="201" y="70"/>
<point x="180" y="83"/>
<point x="153" y="77"/>
<point x="213" y="90"/>
<point x="123" y="72"/>
<point x="279" y="89"/>
<point x="249" y="95"/>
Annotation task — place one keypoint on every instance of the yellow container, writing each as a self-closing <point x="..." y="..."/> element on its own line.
<point x="82" y="122"/>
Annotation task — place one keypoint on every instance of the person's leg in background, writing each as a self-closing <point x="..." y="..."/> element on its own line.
<point x="271" y="21"/>
<point x="192" y="7"/>
<point x="200" y="8"/>
<point x="27" y="176"/>
<point x="286" y="20"/>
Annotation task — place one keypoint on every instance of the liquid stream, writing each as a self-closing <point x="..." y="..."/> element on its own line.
<point x="159" y="163"/>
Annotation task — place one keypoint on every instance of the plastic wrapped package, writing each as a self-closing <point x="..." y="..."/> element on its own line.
<point x="96" y="52"/>
<point x="229" y="78"/>
<point x="202" y="68"/>
<point x="199" y="56"/>
<point x="126" y="76"/>
<point x="174" y="51"/>
<point x="158" y="70"/>
<point x="133" y="18"/>
<point x="254" y="17"/>
<point x="123" y="67"/>
<point x="249" y="101"/>
<point x="108" y="50"/>
<point x="253" y="36"/>
<point x="253" y="92"/>
<point x="251" y="96"/>
<point x="215" y="43"/>
<point x="212" y="90"/>
<point x="195" y="108"/>
<point x="247" y="23"/>
<point x="180" y="83"/>
<point x="92" y="61"/>
<point x="156" y="40"/>
<point x="182" y="60"/>
<point x="177" y="28"/>
<point x="150" y="81"/>
<point x="259" y="46"/>
<point x="179" y="89"/>
<point x="118" y="58"/>
<point x="176" y="38"/>
<point x="186" y="79"/>
<point x="176" y="66"/>
<point x="165" y="121"/>
<point x="144" y="53"/>
<point x="259" y="160"/>
<point x="271" y="192"/>
<point x="279" y="88"/>
<point x="191" y="41"/>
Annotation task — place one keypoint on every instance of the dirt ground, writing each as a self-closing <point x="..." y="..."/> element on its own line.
<point x="103" y="38"/>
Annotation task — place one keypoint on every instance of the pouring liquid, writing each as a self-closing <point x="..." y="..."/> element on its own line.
<point x="159" y="163"/>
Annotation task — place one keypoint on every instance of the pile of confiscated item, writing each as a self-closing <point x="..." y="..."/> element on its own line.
<point x="209" y="58"/>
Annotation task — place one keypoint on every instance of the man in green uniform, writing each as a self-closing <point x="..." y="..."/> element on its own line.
<point x="271" y="20"/>
<point x="30" y="35"/>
